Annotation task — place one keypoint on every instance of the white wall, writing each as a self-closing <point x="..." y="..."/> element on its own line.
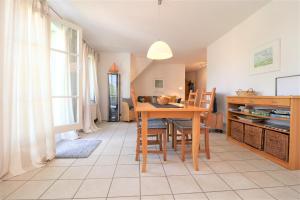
<point x="123" y="61"/>
<point x="172" y="74"/>
<point x="201" y="78"/>
<point x="228" y="57"/>
<point x="138" y="65"/>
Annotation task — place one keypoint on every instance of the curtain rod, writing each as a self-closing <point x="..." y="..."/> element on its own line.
<point x="58" y="15"/>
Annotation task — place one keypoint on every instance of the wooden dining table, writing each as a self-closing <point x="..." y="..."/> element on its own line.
<point x="149" y="111"/>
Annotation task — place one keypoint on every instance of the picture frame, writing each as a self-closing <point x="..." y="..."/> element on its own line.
<point x="265" y="58"/>
<point x="158" y="83"/>
<point x="287" y="85"/>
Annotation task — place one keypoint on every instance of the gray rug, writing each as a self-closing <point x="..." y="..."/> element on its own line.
<point x="76" y="148"/>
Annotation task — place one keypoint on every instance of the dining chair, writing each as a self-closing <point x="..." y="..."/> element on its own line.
<point x="157" y="132"/>
<point x="192" y="100"/>
<point x="183" y="128"/>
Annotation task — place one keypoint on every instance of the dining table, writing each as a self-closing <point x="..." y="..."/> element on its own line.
<point x="184" y="111"/>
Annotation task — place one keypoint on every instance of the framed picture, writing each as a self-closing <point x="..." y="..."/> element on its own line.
<point x="158" y="84"/>
<point x="266" y="58"/>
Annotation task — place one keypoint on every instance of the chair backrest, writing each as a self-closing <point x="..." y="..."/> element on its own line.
<point x="134" y="101"/>
<point x="207" y="101"/>
<point x="193" y="96"/>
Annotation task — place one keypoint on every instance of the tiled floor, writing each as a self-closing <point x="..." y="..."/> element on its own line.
<point x="112" y="173"/>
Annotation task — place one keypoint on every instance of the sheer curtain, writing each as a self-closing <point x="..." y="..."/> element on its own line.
<point x="26" y="132"/>
<point x="90" y="89"/>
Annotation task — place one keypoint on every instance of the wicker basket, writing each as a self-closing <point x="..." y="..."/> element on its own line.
<point x="248" y="93"/>
<point x="237" y="131"/>
<point x="277" y="144"/>
<point x="163" y="100"/>
<point x="254" y="136"/>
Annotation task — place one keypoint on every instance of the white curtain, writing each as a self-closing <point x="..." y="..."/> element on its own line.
<point x="90" y="89"/>
<point x="26" y="132"/>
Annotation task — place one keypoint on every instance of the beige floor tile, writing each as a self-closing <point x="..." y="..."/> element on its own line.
<point x="242" y="166"/>
<point x="154" y="170"/>
<point x="79" y="172"/>
<point x="183" y="184"/>
<point x="124" y="187"/>
<point x="194" y="196"/>
<point x="49" y="173"/>
<point x="221" y="167"/>
<point x="158" y="197"/>
<point x="254" y="194"/>
<point x="262" y="179"/>
<point x="93" y="188"/>
<point x="154" y="186"/>
<point x="124" y="198"/>
<point x="102" y="171"/>
<point x="229" y="156"/>
<point x="203" y="168"/>
<point x="62" y="189"/>
<point x="127" y="160"/>
<point x="107" y="160"/>
<point x="85" y="161"/>
<point x="31" y="190"/>
<point x="7" y="187"/>
<point x="263" y="165"/>
<point x="296" y="188"/>
<point x="127" y="171"/>
<point x="237" y="181"/>
<point x="26" y="176"/>
<point x="226" y="195"/>
<point x="283" y="193"/>
<point x="285" y="177"/>
<point x="175" y="169"/>
<point x="61" y="162"/>
<point x="211" y="182"/>
<point x="153" y="159"/>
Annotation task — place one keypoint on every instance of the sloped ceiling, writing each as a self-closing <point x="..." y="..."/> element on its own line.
<point x="188" y="26"/>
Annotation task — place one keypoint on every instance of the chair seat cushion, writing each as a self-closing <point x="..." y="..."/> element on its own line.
<point x="154" y="124"/>
<point x="186" y="124"/>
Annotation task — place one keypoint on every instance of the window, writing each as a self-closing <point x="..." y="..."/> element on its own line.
<point x="65" y="75"/>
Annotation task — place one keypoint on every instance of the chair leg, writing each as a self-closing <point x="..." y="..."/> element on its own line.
<point x="137" y="148"/>
<point x="175" y="139"/>
<point x="168" y="131"/>
<point x="165" y="135"/>
<point x="172" y="130"/>
<point x="183" y="150"/>
<point x="160" y="142"/>
<point x="207" y="151"/>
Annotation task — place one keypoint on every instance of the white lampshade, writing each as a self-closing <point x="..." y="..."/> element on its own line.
<point x="159" y="50"/>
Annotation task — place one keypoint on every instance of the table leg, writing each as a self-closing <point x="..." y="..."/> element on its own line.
<point x="144" y="139"/>
<point x="196" y="139"/>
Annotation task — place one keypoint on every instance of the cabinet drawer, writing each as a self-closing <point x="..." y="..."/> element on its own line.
<point x="277" y="144"/>
<point x="237" y="131"/>
<point x="254" y="136"/>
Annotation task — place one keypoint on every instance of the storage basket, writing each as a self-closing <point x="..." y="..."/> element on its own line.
<point x="248" y="93"/>
<point x="254" y="136"/>
<point x="277" y="144"/>
<point x="163" y="100"/>
<point x="237" y="131"/>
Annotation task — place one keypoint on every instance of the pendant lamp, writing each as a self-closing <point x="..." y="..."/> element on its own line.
<point x="159" y="50"/>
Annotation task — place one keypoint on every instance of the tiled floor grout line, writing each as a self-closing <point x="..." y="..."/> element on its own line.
<point x="92" y="166"/>
<point x="167" y="177"/>
<point x="107" y="195"/>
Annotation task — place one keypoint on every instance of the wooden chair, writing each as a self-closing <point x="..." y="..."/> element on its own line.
<point x="183" y="129"/>
<point x="192" y="100"/>
<point x="157" y="132"/>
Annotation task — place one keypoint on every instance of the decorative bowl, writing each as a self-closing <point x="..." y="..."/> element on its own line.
<point x="163" y="100"/>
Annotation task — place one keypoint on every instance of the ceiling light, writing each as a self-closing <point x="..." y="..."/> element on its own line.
<point x="159" y="50"/>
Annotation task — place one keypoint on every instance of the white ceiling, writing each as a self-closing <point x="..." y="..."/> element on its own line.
<point x="188" y="26"/>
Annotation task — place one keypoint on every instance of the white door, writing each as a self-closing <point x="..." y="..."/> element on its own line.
<point x="66" y="75"/>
